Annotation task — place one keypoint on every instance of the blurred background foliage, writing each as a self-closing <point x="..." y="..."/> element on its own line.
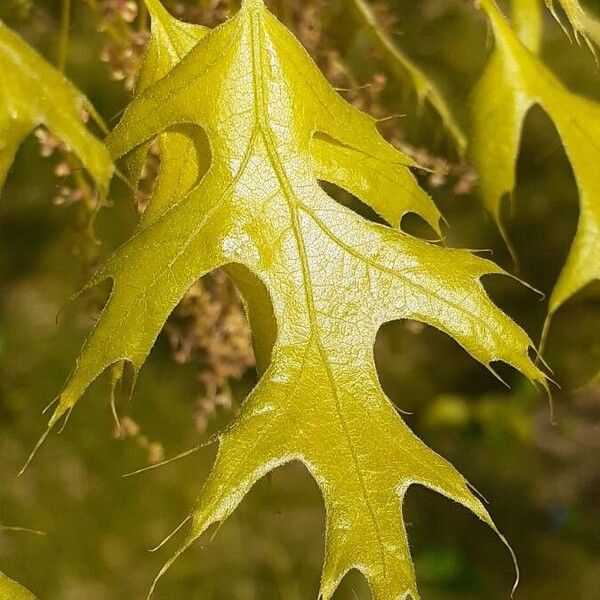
<point x="541" y="480"/>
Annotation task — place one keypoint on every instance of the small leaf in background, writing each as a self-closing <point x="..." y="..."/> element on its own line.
<point x="515" y="80"/>
<point x="584" y="25"/>
<point x="33" y="93"/>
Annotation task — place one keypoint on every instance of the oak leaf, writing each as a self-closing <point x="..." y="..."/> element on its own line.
<point x="513" y="82"/>
<point x="261" y="126"/>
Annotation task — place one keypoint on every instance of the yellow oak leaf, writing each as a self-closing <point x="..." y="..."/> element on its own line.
<point x="260" y="127"/>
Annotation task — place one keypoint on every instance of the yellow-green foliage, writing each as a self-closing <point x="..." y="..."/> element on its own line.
<point x="407" y="71"/>
<point x="33" y="93"/>
<point x="584" y="25"/>
<point x="514" y="80"/>
<point x="248" y="126"/>
<point x="11" y="590"/>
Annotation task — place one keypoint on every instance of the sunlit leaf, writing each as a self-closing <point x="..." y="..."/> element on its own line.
<point x="527" y="18"/>
<point x="324" y="281"/>
<point x="11" y="590"/>
<point x="170" y="41"/>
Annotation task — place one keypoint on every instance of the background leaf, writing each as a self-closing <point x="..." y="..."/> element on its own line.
<point x="33" y="93"/>
<point x="514" y="81"/>
<point x="584" y="25"/>
<point x="407" y="71"/>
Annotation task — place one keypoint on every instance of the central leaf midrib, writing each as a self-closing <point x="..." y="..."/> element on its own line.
<point x="267" y="135"/>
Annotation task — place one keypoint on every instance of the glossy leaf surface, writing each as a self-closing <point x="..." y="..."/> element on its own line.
<point x="248" y="102"/>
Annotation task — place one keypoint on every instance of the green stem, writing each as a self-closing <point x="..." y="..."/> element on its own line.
<point x="63" y="43"/>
